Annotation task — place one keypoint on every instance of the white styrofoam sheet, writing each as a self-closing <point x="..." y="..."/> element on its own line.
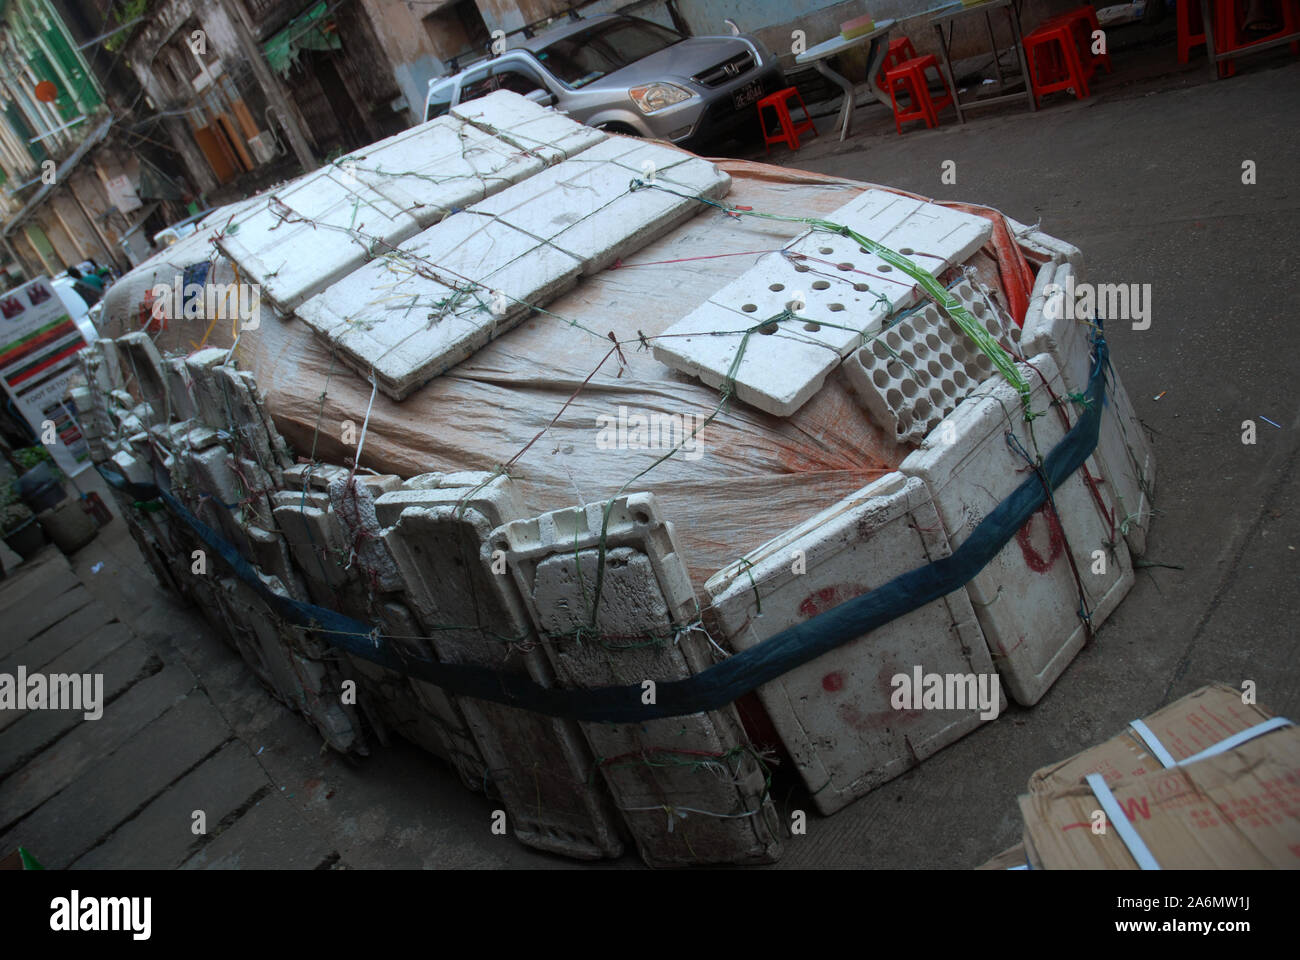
<point x="1026" y="598"/>
<point x="537" y="130"/>
<point x="834" y="714"/>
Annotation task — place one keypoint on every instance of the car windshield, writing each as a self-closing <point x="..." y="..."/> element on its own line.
<point x="588" y="55"/>
<point x="439" y="100"/>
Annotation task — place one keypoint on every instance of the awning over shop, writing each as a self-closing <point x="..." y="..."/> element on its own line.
<point x="313" y="30"/>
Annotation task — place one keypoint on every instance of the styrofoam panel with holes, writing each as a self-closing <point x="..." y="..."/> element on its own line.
<point x="1026" y="598"/>
<point x="538" y="130"/>
<point x="840" y="286"/>
<point x="586" y="208"/>
<point x="1124" y="459"/>
<point x="455" y="287"/>
<point x="472" y="615"/>
<point x="914" y="373"/>
<point x="646" y="601"/>
<point x="834" y="713"/>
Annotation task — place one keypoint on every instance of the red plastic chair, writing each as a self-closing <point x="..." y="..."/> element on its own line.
<point x="790" y="130"/>
<point x="1052" y="55"/>
<point x="900" y="51"/>
<point x="1228" y="15"/>
<point x="911" y="75"/>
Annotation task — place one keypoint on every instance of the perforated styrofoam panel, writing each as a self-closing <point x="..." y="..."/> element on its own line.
<point x="915" y="372"/>
<point x="473" y="615"/>
<point x="1124" y="459"/>
<point x="838" y="294"/>
<point x="646" y="603"/>
<point x="834" y="714"/>
<point x="1026" y="598"/>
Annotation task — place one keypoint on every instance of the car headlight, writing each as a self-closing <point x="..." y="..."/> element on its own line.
<point x="657" y="96"/>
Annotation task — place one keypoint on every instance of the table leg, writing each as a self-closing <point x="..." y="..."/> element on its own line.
<point x="846" y="110"/>
<point x="1020" y="55"/>
<point x="993" y="45"/>
<point x="947" y="70"/>
<point x="875" y="57"/>
<point x="1207" y="18"/>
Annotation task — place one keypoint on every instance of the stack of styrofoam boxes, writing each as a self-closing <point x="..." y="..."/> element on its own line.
<point x="1123" y="462"/>
<point x="300" y="239"/>
<point x="439" y="531"/>
<point x="833" y="297"/>
<point x="1027" y="598"/>
<point x="466" y="280"/>
<point x="915" y="373"/>
<point x="691" y="789"/>
<point x="835" y="714"/>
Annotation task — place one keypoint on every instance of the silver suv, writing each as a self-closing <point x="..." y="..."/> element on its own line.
<point x="627" y="75"/>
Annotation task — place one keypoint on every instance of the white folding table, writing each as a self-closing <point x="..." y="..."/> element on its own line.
<point x="822" y="52"/>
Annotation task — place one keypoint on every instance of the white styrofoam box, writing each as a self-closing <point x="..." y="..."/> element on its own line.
<point x="840" y="286"/>
<point x="179" y="385"/>
<point x="455" y="287"/>
<point x="450" y="736"/>
<point x="142" y="363"/>
<point x="645" y="606"/>
<point x="473" y="615"/>
<point x="271" y="556"/>
<point x="1124" y="459"/>
<point x="538" y="130"/>
<point x="354" y="507"/>
<point x="586" y="207"/>
<point x="915" y="372"/>
<point x="280" y="655"/>
<point x="834" y="713"/>
<point x="1026" y="598"/>
<point x="389" y="190"/>
<point x="1053" y="249"/>
<point x="314" y="540"/>
<point x="316" y="476"/>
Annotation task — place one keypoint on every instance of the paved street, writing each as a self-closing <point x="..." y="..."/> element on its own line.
<point x="1146" y="178"/>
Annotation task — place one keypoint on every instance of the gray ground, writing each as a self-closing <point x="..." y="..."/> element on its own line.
<point x="1145" y="177"/>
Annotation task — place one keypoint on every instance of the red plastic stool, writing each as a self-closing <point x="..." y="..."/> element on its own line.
<point x="1052" y="55"/>
<point x="1228" y="36"/>
<point x="1191" y="31"/>
<point x="900" y="51"/>
<point x="1083" y="25"/>
<point x="790" y="130"/>
<point x="911" y="74"/>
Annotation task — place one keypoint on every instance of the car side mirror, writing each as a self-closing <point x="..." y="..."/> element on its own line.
<point x="543" y="98"/>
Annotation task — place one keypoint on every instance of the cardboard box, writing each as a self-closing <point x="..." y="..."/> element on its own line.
<point x="1236" y="810"/>
<point x="1013" y="858"/>
<point x="1184" y="727"/>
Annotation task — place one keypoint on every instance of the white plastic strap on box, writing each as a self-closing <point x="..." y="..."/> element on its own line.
<point x="1166" y="758"/>
<point x="1136" y="847"/>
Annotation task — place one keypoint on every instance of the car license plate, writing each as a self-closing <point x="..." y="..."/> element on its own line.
<point x="751" y="92"/>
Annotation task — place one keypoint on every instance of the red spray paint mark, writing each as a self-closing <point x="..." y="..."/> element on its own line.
<point x="1055" y="540"/>
<point x="832" y="682"/>
<point x="828" y="597"/>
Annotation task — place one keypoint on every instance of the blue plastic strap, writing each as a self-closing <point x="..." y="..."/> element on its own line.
<point x="724" y="682"/>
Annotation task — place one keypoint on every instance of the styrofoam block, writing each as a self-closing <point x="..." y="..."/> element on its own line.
<point x="314" y="541"/>
<point x="141" y="362"/>
<point x="473" y="615"/>
<point x="179" y="386"/>
<point x="539" y="130"/>
<point x="1026" y="598"/>
<point x="271" y="555"/>
<point x="1053" y="249"/>
<point x="1125" y="461"/>
<point x="471" y="280"/>
<point x="389" y="506"/>
<point x="354" y="508"/>
<point x="834" y="713"/>
<point x="839" y="285"/>
<point x="645" y="605"/>
<point x="586" y="207"/>
<point x="914" y="373"/>
<point x="390" y="191"/>
<point x="932" y="236"/>
<point x="317" y="476"/>
<point x="440" y="709"/>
